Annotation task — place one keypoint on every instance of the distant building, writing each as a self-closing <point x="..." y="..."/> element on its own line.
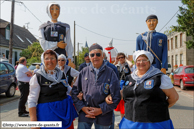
<point x="86" y="45"/>
<point x="178" y="53"/>
<point x="22" y="38"/>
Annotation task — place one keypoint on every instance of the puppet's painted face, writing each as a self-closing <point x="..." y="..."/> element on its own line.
<point x="152" y="23"/>
<point x="55" y="11"/>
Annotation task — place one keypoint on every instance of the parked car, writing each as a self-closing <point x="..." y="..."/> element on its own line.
<point x="33" y="66"/>
<point x="8" y="79"/>
<point x="184" y="76"/>
<point x="4" y="60"/>
<point x="169" y="69"/>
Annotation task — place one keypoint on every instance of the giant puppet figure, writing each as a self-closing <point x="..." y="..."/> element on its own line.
<point x="55" y="35"/>
<point x="111" y="52"/>
<point x="154" y="42"/>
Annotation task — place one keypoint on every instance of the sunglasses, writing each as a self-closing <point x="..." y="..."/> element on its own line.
<point x="97" y="54"/>
<point x="61" y="60"/>
<point x="120" y="57"/>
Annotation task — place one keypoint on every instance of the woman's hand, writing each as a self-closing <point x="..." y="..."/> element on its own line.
<point x="108" y="99"/>
<point x="172" y="96"/>
<point x="32" y="113"/>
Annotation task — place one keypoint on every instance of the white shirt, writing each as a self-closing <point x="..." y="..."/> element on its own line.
<point x="35" y="91"/>
<point x="74" y="73"/>
<point x="165" y="82"/>
<point x="20" y="73"/>
<point x="53" y="45"/>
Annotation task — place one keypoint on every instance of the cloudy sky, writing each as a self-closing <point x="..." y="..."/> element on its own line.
<point x="97" y="21"/>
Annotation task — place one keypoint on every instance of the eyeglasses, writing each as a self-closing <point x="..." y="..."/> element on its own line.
<point x="151" y="20"/>
<point x="97" y="54"/>
<point x="143" y="61"/>
<point x="121" y="57"/>
<point x="61" y="60"/>
<point x="50" y="59"/>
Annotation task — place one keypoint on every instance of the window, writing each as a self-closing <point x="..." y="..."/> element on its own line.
<point x="176" y="59"/>
<point x="181" y="59"/>
<point x="168" y="46"/>
<point x="7" y="34"/>
<point x="11" y="69"/>
<point x="180" y="70"/>
<point x="19" y="38"/>
<point x="7" y="54"/>
<point x="3" y="69"/>
<point x="175" y="41"/>
<point x="168" y="59"/>
<point x="172" y="61"/>
<point x="176" y="71"/>
<point x="29" y="41"/>
<point x="181" y="40"/>
<point x="171" y="43"/>
<point x="189" y="70"/>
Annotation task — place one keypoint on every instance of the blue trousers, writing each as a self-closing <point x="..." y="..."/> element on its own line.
<point x="113" y="121"/>
<point x="85" y="125"/>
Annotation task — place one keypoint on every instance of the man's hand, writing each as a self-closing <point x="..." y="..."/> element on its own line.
<point x="108" y="99"/>
<point x="95" y="111"/>
<point x="88" y="112"/>
<point x="80" y="96"/>
<point x="61" y="45"/>
<point x="163" y="70"/>
<point x="29" y="74"/>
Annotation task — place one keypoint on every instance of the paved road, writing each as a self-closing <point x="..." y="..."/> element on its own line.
<point x="182" y="113"/>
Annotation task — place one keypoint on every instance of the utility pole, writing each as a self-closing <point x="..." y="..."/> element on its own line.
<point x="11" y="31"/>
<point x="78" y="53"/>
<point x="74" y="45"/>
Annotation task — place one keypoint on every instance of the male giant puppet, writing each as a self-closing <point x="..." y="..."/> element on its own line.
<point x="154" y="42"/>
<point x="55" y="35"/>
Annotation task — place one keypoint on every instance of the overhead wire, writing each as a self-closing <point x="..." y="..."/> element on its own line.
<point x="170" y="20"/>
<point x="31" y="12"/>
<point x="102" y="35"/>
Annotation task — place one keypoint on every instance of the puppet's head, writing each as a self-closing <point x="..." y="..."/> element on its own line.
<point x="152" y="21"/>
<point x="53" y="10"/>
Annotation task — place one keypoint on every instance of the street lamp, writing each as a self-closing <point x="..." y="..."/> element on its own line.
<point x="78" y="53"/>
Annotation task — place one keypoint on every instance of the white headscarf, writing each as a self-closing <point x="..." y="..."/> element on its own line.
<point x="149" y="55"/>
<point x="151" y="71"/>
<point x="48" y="8"/>
<point x="56" y="71"/>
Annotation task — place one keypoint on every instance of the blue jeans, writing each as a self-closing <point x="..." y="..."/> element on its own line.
<point x="85" y="125"/>
<point x="113" y="121"/>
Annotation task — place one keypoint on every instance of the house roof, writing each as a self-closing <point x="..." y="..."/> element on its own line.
<point x="19" y="32"/>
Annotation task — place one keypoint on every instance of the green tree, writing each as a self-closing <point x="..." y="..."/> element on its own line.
<point x="81" y="54"/>
<point x="186" y="21"/>
<point x="169" y="30"/>
<point x="32" y="53"/>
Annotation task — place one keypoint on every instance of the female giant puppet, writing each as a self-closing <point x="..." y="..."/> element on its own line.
<point x="55" y="35"/>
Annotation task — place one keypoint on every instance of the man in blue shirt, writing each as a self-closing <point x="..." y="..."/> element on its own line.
<point x="96" y="82"/>
<point x="86" y="63"/>
<point x="156" y="41"/>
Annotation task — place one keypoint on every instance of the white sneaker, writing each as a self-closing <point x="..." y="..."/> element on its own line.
<point x="117" y="124"/>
